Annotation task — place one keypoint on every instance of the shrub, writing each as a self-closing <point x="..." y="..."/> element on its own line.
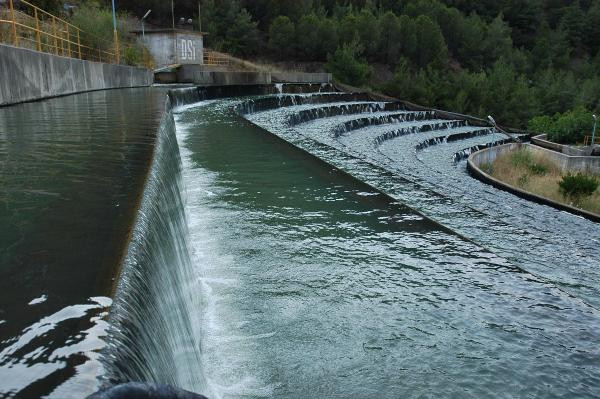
<point x="538" y="169"/>
<point x="347" y="67"/>
<point x="577" y="186"/>
<point x="281" y="36"/>
<point x="487" y="168"/>
<point x="567" y="128"/>
<point x="524" y="158"/>
<point x="521" y="157"/>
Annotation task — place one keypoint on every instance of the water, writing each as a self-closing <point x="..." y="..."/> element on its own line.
<point x="71" y="172"/>
<point x="254" y="269"/>
<point x="311" y="283"/>
<point x="426" y="170"/>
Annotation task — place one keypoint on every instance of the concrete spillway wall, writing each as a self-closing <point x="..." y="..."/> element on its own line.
<point x="565" y="162"/>
<point x="27" y="75"/>
<point x="198" y="74"/>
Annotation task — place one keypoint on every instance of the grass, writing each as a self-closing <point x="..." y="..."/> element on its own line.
<point x="538" y="175"/>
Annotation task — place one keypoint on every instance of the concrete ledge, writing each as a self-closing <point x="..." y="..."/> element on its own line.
<point x="27" y="75"/>
<point x="300" y="77"/>
<point x="488" y="155"/>
<point x="542" y="141"/>
<point x="200" y="75"/>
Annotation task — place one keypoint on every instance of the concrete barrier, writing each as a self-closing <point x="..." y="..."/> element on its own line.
<point x="488" y="155"/>
<point x="300" y="77"/>
<point x="27" y="75"/>
<point x="542" y="141"/>
<point x="200" y="75"/>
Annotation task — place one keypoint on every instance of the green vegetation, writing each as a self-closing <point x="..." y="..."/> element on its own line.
<point x="578" y="186"/>
<point x="538" y="175"/>
<point x="347" y="67"/>
<point x="512" y="59"/>
<point x="525" y="159"/>
<point x="569" y="127"/>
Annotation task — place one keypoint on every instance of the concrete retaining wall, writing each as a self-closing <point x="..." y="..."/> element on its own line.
<point x="27" y="75"/>
<point x="300" y="77"/>
<point x="542" y="141"/>
<point x="488" y="155"/>
<point x="197" y="74"/>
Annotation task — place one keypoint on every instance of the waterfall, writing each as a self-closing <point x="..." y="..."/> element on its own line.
<point x="151" y="337"/>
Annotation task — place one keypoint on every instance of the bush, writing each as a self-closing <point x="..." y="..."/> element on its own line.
<point x="347" y="67"/>
<point x="577" y="186"/>
<point x="567" y="128"/>
<point x="281" y="37"/>
<point x="525" y="158"/>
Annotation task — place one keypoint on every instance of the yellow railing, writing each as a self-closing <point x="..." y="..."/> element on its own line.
<point x="215" y="58"/>
<point x="28" y="26"/>
<point x="587" y="140"/>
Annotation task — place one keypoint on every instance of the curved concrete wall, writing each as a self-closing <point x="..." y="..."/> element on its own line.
<point x="27" y="75"/>
<point x="488" y="155"/>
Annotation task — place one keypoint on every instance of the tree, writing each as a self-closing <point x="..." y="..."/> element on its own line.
<point x="281" y="37"/>
<point x="390" y="41"/>
<point x="328" y="43"/>
<point x="430" y="42"/>
<point x="348" y="28"/>
<point x="368" y="32"/>
<point x="242" y="36"/>
<point x="307" y="37"/>
<point x="347" y="67"/>
<point x="408" y="34"/>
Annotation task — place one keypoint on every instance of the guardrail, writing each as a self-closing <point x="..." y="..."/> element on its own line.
<point x="23" y="24"/>
<point x="587" y="140"/>
<point x="214" y="58"/>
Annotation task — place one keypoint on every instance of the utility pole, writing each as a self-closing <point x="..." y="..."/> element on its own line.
<point x="174" y="33"/>
<point x="594" y="131"/>
<point x="116" y="35"/>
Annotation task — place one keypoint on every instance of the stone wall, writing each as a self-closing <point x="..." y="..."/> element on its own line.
<point x="27" y="75"/>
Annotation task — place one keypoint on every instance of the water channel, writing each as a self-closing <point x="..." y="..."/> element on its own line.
<point x="255" y="269"/>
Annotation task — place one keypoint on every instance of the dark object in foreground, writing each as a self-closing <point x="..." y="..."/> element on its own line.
<point x="139" y="390"/>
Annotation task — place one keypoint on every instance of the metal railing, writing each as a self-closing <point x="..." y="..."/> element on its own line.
<point x="587" y="140"/>
<point x="214" y="58"/>
<point x="26" y="25"/>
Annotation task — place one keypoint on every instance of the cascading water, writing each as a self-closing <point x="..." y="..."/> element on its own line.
<point x="396" y="156"/>
<point x="152" y="338"/>
<point x="255" y="270"/>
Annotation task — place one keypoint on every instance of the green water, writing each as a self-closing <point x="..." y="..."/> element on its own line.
<point x="71" y="170"/>
<point x="314" y="285"/>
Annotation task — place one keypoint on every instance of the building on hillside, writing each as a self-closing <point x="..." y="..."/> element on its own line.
<point x="173" y="46"/>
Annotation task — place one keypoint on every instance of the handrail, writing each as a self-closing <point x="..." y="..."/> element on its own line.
<point x="34" y="28"/>
<point x="587" y="140"/>
<point x="214" y="58"/>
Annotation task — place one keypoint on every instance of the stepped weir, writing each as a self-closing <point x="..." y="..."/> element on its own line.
<point x="283" y="241"/>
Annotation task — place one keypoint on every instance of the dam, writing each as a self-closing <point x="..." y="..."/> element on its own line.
<point x="287" y="240"/>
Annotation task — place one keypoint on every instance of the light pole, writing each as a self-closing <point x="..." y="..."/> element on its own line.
<point x="143" y="18"/>
<point x="500" y="130"/>
<point x="594" y="131"/>
<point x="115" y="32"/>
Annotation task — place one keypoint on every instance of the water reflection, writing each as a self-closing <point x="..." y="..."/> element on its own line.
<point x="71" y="170"/>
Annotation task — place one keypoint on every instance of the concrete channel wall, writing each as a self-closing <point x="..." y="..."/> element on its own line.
<point x="565" y="162"/>
<point x="27" y="75"/>
<point x="197" y="74"/>
<point x="542" y="141"/>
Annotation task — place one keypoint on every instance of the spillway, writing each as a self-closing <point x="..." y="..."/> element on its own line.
<point x="303" y="242"/>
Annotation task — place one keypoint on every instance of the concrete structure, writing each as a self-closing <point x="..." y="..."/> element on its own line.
<point x="173" y="46"/>
<point x="565" y="162"/>
<point x="27" y="75"/>
<point x="197" y="74"/>
<point x="542" y="141"/>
